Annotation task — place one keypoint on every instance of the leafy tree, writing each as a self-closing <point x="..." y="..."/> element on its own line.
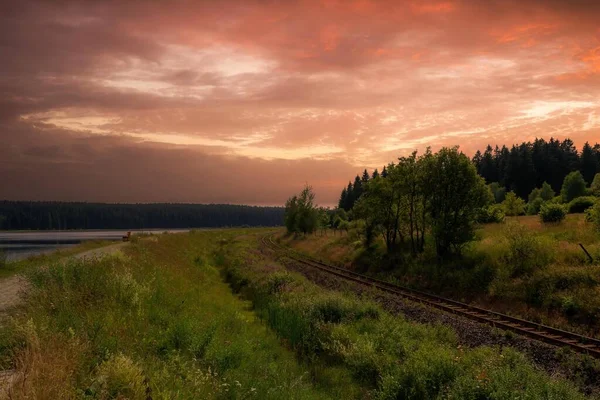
<point x="535" y="194"/>
<point x="379" y="208"/>
<point x="573" y="186"/>
<point x="513" y="205"/>
<point x="498" y="192"/>
<point x="546" y="193"/>
<point x="337" y="217"/>
<point x="595" y="187"/>
<point x="324" y="220"/>
<point x="533" y="207"/>
<point x="454" y="194"/>
<point x="301" y="215"/>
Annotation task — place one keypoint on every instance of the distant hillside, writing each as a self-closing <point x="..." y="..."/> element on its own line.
<point x="21" y="215"/>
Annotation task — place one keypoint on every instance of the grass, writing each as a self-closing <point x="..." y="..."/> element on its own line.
<point x="10" y="268"/>
<point x="389" y="357"/>
<point x="159" y="320"/>
<point x="521" y="267"/>
<point x="156" y="320"/>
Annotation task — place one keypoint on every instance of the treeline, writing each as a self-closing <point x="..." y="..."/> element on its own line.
<point x="528" y="165"/>
<point x="17" y="215"/>
<point x="520" y="169"/>
<point x="437" y="195"/>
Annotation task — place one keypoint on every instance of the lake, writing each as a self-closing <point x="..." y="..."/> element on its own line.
<point x="20" y="245"/>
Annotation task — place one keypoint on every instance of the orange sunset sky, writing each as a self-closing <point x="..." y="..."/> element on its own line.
<point x="244" y="101"/>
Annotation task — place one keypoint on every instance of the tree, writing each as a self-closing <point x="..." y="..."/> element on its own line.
<point x="342" y="200"/>
<point x="356" y="190"/>
<point x="384" y="172"/>
<point x="349" y="201"/>
<point x="337" y="216"/>
<point x="454" y="194"/>
<point x="379" y="208"/>
<point x="498" y="192"/>
<point x="589" y="163"/>
<point x="535" y="194"/>
<point x="573" y="186"/>
<point x="595" y="187"/>
<point x="324" y="220"/>
<point x="546" y="193"/>
<point x="301" y="215"/>
<point x="513" y="205"/>
<point x="375" y="174"/>
<point x="365" y="177"/>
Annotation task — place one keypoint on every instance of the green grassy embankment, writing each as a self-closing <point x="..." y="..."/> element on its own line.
<point x="521" y="267"/>
<point x="155" y="319"/>
<point x="158" y="319"/>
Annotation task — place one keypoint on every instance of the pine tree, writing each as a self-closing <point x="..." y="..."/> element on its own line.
<point x="365" y="177"/>
<point x="375" y="174"/>
<point x="384" y="172"/>
<point x="342" y="200"/>
<point x="589" y="163"/>
<point x="357" y="189"/>
<point x="349" y="197"/>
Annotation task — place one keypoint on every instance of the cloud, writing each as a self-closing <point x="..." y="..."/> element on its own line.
<point x="185" y="89"/>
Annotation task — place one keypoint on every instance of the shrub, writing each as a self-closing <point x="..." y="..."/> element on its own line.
<point x="592" y="215"/>
<point x="573" y="186"/>
<point x="526" y="252"/>
<point x="580" y="204"/>
<point x="552" y="212"/>
<point x="546" y="193"/>
<point x="595" y="186"/>
<point x="533" y="207"/>
<point x="491" y="214"/>
<point x="120" y="377"/>
<point x="513" y="205"/>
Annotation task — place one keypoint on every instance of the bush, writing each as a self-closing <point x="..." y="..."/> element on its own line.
<point x="533" y="208"/>
<point x="513" y="205"/>
<point x="491" y="214"/>
<point x="580" y="204"/>
<point x="552" y="212"/>
<point x="526" y="252"/>
<point x="595" y="186"/>
<point x="573" y="186"/>
<point x="592" y="215"/>
<point x="120" y="377"/>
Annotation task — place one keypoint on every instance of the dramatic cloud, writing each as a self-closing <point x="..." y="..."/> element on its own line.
<point x="244" y="101"/>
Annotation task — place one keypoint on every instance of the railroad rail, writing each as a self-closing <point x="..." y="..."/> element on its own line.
<point x="544" y="333"/>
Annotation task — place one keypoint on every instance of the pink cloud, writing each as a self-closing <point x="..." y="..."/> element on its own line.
<point x="280" y="90"/>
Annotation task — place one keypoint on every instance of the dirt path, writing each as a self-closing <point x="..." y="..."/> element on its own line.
<point x="12" y="289"/>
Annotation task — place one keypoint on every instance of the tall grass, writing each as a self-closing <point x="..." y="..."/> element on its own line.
<point x="389" y="356"/>
<point x="157" y="321"/>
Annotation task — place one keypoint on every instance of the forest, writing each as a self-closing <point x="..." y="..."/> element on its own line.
<point x="21" y="215"/>
<point x="520" y="169"/>
<point x="442" y="197"/>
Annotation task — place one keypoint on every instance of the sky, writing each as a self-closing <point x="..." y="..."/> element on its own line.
<point x="246" y="101"/>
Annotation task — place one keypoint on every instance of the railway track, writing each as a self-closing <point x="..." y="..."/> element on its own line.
<point x="547" y="334"/>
